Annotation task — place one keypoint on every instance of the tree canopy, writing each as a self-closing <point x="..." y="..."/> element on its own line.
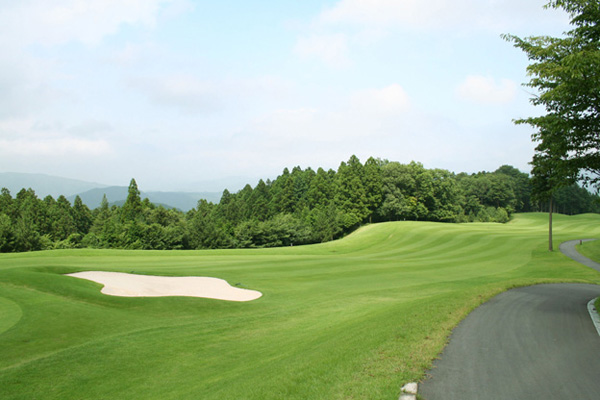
<point x="565" y="73"/>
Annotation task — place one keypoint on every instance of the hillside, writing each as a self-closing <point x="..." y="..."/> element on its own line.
<point x="91" y="193"/>
<point x="45" y="185"/>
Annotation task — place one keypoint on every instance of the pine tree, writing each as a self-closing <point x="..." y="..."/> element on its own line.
<point x="132" y="209"/>
<point x="82" y="216"/>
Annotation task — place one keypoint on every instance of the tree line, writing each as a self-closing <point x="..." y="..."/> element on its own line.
<point x="300" y="206"/>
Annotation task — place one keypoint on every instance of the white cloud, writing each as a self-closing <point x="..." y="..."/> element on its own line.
<point x="57" y="147"/>
<point x="381" y="122"/>
<point x="26" y="138"/>
<point x="33" y="79"/>
<point x="291" y="125"/>
<point x="378" y="12"/>
<point x="184" y="92"/>
<point x="135" y="53"/>
<point x="372" y="113"/>
<point x="270" y="86"/>
<point x="485" y="90"/>
<point x="441" y="14"/>
<point x="388" y="101"/>
<point x="350" y="26"/>
<point x="90" y="128"/>
<point x="332" y="49"/>
<point x="192" y="94"/>
<point x="61" y="21"/>
<point x="23" y="87"/>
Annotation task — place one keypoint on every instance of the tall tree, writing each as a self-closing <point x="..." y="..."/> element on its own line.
<point x="400" y="197"/>
<point x="7" y="235"/>
<point x="350" y="197"/>
<point x="102" y="214"/>
<point x="63" y="222"/>
<point x="6" y="202"/>
<point x="521" y="185"/>
<point x="132" y="209"/>
<point x="259" y="202"/>
<point x="373" y="184"/>
<point x="566" y="74"/>
<point x="82" y="216"/>
<point x="284" y="199"/>
<point x="549" y="175"/>
<point x="320" y="190"/>
<point x="26" y="233"/>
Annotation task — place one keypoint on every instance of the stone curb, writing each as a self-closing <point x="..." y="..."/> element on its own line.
<point x="409" y="391"/>
<point x="594" y="314"/>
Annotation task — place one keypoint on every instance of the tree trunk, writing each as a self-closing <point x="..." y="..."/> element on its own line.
<point x="550" y="226"/>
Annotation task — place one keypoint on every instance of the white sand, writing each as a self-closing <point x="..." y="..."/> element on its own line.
<point x="130" y="285"/>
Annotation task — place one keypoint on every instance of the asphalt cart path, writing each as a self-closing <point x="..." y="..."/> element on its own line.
<point x="530" y="343"/>
<point x="569" y="250"/>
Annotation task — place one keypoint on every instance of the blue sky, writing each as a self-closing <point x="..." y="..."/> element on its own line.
<point x="175" y="92"/>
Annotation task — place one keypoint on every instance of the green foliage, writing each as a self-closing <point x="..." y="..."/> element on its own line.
<point x="564" y="73"/>
<point x="298" y="207"/>
<point x="206" y="230"/>
<point x="132" y="209"/>
<point x="82" y="216"/>
<point x="7" y="234"/>
<point x="324" y="222"/>
<point x="520" y="185"/>
<point x="573" y="199"/>
<point x="282" y="230"/>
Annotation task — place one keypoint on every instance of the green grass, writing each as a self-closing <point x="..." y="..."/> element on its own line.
<point x="592" y="251"/>
<point x="351" y="319"/>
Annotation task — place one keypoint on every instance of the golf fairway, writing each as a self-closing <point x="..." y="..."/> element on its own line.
<point x="351" y="319"/>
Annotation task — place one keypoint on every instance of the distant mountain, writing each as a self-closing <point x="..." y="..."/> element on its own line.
<point x="232" y="184"/>
<point x="44" y="185"/>
<point x="91" y="193"/>
<point x="93" y="197"/>
<point x="185" y="201"/>
<point x="117" y="195"/>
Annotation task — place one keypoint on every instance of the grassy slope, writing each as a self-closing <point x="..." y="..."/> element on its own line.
<point x="355" y="318"/>
<point x="591" y="250"/>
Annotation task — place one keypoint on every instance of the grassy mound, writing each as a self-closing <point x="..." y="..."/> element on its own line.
<point x="355" y="318"/>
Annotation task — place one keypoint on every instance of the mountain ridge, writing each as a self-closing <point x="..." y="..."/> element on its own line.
<point x="91" y="193"/>
<point x="184" y="201"/>
<point x="44" y="184"/>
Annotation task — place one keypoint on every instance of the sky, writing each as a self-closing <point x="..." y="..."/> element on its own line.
<point x="175" y="93"/>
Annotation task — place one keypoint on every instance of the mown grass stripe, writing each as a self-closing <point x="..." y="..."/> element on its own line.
<point x="10" y="314"/>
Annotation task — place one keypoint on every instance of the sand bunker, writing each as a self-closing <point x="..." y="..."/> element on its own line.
<point x="130" y="285"/>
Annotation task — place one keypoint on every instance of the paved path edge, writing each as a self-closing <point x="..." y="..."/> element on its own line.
<point x="594" y="314"/>
<point x="568" y="249"/>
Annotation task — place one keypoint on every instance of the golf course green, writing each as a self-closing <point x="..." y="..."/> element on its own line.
<point x="351" y="319"/>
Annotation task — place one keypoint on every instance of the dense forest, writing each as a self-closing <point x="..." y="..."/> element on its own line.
<point x="299" y="207"/>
